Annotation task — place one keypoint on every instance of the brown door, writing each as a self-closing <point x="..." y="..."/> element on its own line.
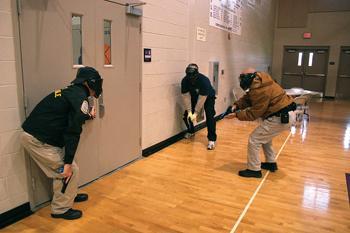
<point x="315" y="69"/>
<point x="343" y="81"/>
<point x="292" y="72"/>
<point x="305" y="67"/>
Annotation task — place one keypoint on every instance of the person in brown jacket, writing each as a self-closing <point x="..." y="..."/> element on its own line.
<point x="264" y="99"/>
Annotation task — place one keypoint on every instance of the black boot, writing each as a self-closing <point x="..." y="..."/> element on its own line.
<point x="69" y="214"/>
<point x="250" y="173"/>
<point x="81" y="197"/>
<point x="272" y="167"/>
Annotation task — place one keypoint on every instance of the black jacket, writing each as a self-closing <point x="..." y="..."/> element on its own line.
<point x="57" y="120"/>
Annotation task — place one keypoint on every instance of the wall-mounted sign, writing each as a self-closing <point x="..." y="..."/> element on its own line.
<point x="201" y="34"/>
<point x="226" y="15"/>
<point x="147" y="55"/>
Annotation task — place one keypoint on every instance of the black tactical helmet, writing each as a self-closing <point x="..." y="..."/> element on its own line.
<point x="245" y="80"/>
<point x="192" y="70"/>
<point x="92" y="77"/>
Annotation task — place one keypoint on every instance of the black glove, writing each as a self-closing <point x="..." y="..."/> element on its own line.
<point x="227" y="112"/>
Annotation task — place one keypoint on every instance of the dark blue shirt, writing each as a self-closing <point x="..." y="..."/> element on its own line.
<point x="201" y="86"/>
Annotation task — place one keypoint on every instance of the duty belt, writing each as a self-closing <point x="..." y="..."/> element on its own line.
<point x="290" y="107"/>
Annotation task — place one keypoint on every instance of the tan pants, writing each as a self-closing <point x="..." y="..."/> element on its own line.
<point x="49" y="159"/>
<point x="262" y="136"/>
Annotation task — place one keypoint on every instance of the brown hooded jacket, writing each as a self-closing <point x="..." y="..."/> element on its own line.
<point x="264" y="98"/>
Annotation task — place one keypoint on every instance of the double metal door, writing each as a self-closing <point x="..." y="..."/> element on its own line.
<point x="305" y="67"/>
<point x="343" y="81"/>
<point x="50" y="33"/>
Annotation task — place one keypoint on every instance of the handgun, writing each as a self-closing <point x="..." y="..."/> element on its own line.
<point x="65" y="180"/>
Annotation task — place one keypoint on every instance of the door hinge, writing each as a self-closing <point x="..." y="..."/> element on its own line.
<point x="140" y="87"/>
<point x="33" y="184"/>
<point x="26" y="106"/>
<point x="140" y="27"/>
<point x="19" y="7"/>
<point x="140" y="141"/>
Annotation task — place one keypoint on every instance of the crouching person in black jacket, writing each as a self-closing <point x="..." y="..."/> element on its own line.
<point x="51" y="136"/>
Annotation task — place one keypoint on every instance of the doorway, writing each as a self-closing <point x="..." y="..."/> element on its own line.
<point x="343" y="80"/>
<point x="305" y="67"/>
<point x="57" y="38"/>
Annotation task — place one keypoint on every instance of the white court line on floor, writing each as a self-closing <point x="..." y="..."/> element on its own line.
<point x="257" y="190"/>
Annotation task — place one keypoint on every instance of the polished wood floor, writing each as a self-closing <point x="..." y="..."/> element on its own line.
<point x="185" y="188"/>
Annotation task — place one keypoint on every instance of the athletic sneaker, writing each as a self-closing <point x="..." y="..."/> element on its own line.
<point x="211" y="145"/>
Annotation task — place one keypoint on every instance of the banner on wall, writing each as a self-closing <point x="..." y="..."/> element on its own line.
<point x="226" y="15"/>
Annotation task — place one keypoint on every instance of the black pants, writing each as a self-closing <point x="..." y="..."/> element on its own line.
<point x="209" y="108"/>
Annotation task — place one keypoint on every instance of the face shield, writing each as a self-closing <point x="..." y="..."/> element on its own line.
<point x="96" y="85"/>
<point x="192" y="72"/>
<point x="245" y="80"/>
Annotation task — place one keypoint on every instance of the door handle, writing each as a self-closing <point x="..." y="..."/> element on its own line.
<point x="101" y="107"/>
<point x="101" y="110"/>
<point x="290" y="73"/>
<point x="316" y="75"/>
<point x="344" y="76"/>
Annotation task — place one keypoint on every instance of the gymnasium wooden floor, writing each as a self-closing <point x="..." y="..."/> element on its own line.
<point x="185" y="188"/>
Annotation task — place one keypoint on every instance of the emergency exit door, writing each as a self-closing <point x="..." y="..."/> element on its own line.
<point x="343" y="80"/>
<point x="305" y="67"/>
<point x="50" y="31"/>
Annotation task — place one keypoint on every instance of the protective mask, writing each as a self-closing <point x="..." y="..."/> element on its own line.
<point x="245" y="80"/>
<point x="192" y="72"/>
<point x="96" y="85"/>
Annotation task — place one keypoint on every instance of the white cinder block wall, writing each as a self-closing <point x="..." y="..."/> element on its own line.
<point x="166" y="32"/>
<point x="13" y="181"/>
<point x="169" y="29"/>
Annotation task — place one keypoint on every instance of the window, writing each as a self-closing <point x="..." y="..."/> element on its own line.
<point x="77" y="40"/>
<point x="107" y="27"/>
<point x="300" y="58"/>
<point x="311" y="57"/>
